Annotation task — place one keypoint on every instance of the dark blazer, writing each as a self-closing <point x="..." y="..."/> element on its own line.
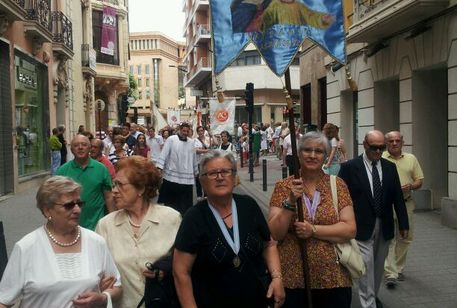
<point x="354" y="173"/>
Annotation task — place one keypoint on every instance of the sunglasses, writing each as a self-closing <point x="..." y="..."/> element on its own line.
<point x="375" y="148"/>
<point x="70" y="205"/>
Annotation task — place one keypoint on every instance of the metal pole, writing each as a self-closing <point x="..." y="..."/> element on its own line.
<point x="264" y="174"/>
<point x="99" y="122"/>
<point x="241" y="157"/>
<point x="284" y="172"/>
<point x="3" y="254"/>
<point x="300" y="213"/>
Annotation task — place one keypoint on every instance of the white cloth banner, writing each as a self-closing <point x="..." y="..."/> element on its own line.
<point x="222" y="115"/>
<point x="173" y="117"/>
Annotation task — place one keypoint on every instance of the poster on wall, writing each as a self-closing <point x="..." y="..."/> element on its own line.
<point x="108" y="31"/>
<point x="222" y="115"/>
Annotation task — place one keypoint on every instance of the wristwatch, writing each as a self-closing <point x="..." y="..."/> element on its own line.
<point x="287" y="206"/>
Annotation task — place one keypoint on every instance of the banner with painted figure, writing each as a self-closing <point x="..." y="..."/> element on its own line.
<point x="277" y="28"/>
<point x="109" y="32"/>
<point x="173" y="117"/>
<point x="222" y="115"/>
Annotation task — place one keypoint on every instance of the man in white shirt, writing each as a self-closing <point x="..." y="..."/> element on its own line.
<point x="178" y="162"/>
<point x="155" y="144"/>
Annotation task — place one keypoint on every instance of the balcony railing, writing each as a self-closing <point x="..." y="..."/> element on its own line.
<point x="62" y="31"/>
<point x="365" y="7"/>
<point x="40" y="12"/>
<point x="376" y="19"/>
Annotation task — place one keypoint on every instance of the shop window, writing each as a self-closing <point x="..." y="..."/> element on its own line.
<point x="31" y="116"/>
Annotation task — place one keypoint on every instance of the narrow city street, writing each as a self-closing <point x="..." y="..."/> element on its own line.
<point x="431" y="272"/>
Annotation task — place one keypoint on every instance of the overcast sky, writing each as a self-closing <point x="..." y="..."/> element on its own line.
<point x="165" y="16"/>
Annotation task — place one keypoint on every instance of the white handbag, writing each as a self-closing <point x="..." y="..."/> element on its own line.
<point x="348" y="253"/>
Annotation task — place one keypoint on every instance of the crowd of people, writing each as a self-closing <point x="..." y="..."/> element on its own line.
<point x="120" y="221"/>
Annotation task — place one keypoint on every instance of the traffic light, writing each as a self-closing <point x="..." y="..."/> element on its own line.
<point x="123" y="108"/>
<point x="249" y="97"/>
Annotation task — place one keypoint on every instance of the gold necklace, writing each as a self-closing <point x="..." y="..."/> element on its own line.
<point x="132" y="223"/>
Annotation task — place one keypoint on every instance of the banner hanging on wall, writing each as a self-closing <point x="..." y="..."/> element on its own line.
<point x="109" y="31"/>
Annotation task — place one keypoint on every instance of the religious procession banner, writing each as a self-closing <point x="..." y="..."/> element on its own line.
<point x="277" y="28"/>
<point x="109" y="32"/>
<point x="222" y="115"/>
<point x="173" y="117"/>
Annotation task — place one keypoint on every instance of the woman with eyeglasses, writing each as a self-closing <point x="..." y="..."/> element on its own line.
<point x="330" y="282"/>
<point x="223" y="248"/>
<point x="60" y="264"/>
<point x="140" y="231"/>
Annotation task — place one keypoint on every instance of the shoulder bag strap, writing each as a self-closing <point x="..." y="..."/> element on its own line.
<point x="334" y="195"/>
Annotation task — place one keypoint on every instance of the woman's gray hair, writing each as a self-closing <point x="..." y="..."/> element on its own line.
<point x="53" y="189"/>
<point x="210" y="155"/>
<point x="315" y="136"/>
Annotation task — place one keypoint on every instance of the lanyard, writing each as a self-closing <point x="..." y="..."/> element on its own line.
<point x="235" y="242"/>
<point x="312" y="207"/>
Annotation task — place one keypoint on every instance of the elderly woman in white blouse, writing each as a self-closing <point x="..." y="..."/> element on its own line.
<point x="60" y="264"/>
<point x="140" y="231"/>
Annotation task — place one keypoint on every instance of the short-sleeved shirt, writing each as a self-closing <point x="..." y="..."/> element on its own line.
<point x="34" y="275"/>
<point x="408" y="168"/>
<point x="156" y="238"/>
<point x="215" y="280"/>
<point x="95" y="180"/>
<point x="325" y="273"/>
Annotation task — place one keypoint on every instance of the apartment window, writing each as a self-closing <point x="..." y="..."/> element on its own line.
<point x="140" y="82"/>
<point x="97" y="17"/>
<point x="147" y="44"/>
<point x="156" y="81"/>
<point x="247" y="58"/>
<point x="131" y="69"/>
<point x="138" y="68"/>
<point x="136" y="44"/>
<point x="140" y="94"/>
<point x="148" y="94"/>
<point x="146" y="69"/>
<point x="148" y="83"/>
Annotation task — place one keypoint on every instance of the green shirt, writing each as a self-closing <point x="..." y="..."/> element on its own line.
<point x="95" y="180"/>
<point x="54" y="143"/>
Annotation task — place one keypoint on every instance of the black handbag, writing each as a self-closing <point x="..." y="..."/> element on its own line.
<point x="160" y="292"/>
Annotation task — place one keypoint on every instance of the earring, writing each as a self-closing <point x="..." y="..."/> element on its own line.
<point x="140" y="195"/>
<point x="49" y="218"/>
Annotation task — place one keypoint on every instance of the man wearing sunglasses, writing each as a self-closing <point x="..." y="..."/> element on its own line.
<point x="374" y="186"/>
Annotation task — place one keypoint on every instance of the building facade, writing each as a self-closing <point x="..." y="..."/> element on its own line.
<point x="156" y="64"/>
<point x="47" y="78"/>
<point x="401" y="75"/>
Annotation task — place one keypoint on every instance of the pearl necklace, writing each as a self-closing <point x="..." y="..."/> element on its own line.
<point x="52" y="237"/>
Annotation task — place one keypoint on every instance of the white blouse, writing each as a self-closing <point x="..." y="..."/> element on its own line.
<point x="33" y="271"/>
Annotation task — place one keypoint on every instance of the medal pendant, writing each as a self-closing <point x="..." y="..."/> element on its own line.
<point x="236" y="262"/>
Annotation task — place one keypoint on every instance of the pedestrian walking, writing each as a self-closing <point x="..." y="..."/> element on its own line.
<point x="201" y="147"/>
<point x="375" y="191"/>
<point x="138" y="226"/>
<point x="55" y="145"/>
<point x="223" y="246"/>
<point x="63" y="149"/>
<point x="96" y="152"/>
<point x="60" y="264"/>
<point x="411" y="178"/>
<point x="94" y="179"/>
<point x="178" y="162"/>
<point x="155" y="144"/>
<point x="332" y="165"/>
<point x="330" y="282"/>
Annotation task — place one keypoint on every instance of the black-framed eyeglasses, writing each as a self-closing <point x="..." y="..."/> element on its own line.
<point x="375" y="148"/>
<point x="71" y="204"/>
<point x="212" y="175"/>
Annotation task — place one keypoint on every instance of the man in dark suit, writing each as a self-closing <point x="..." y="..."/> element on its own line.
<point x="374" y="186"/>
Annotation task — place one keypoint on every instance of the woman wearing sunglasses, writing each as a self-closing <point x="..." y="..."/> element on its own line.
<point x="223" y="247"/>
<point x="140" y="231"/>
<point x="60" y="264"/>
